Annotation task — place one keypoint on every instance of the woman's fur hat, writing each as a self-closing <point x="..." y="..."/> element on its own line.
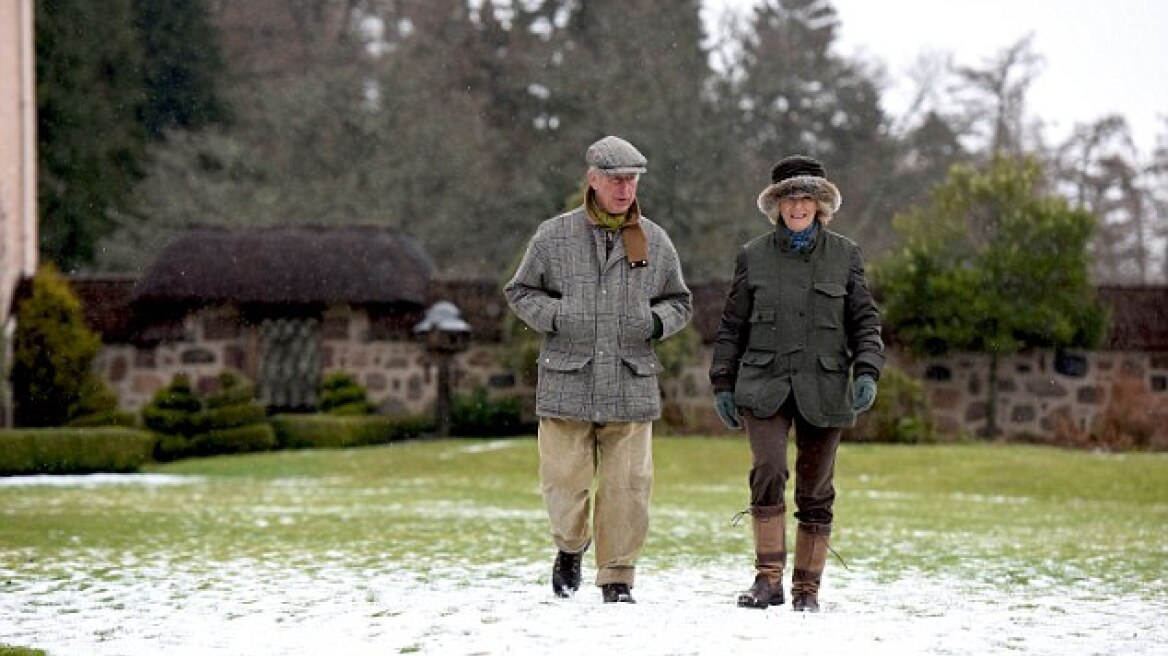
<point x="800" y="175"/>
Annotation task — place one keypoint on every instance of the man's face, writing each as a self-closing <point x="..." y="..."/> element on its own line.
<point x="614" y="193"/>
<point x="798" y="212"/>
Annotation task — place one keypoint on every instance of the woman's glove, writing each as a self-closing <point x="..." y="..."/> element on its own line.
<point x="863" y="393"/>
<point x="727" y="411"/>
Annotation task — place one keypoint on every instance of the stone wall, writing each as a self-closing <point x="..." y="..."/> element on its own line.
<point x="1036" y="389"/>
<point x="398" y="373"/>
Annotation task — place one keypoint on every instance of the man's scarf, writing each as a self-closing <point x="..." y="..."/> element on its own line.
<point x="629" y="225"/>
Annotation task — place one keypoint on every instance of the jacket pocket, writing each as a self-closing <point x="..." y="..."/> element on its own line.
<point x="834" y="385"/>
<point x="642" y="365"/>
<point x="829" y="304"/>
<point x="763" y="331"/>
<point x="757" y="358"/>
<point x="637" y="326"/>
<point x="563" y="362"/>
<point x="639" y="393"/>
<point x="754" y="370"/>
<point x="564" y="385"/>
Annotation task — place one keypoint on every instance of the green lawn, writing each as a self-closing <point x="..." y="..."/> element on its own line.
<point x="997" y="515"/>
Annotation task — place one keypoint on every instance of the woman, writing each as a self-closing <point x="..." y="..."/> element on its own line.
<point x="798" y="346"/>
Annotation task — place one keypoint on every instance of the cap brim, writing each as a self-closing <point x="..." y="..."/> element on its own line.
<point x="623" y="170"/>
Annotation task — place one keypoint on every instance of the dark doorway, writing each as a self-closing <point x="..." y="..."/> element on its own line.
<point x="289" y="367"/>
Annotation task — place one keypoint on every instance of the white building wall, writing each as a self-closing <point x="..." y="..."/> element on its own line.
<point x="18" y="162"/>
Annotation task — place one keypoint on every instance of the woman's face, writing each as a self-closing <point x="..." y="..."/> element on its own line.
<point x="798" y="212"/>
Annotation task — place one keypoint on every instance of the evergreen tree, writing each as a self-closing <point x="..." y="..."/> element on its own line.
<point x="630" y="68"/>
<point x="794" y="94"/>
<point x="52" y="377"/>
<point x="992" y="265"/>
<point x="182" y="66"/>
<point x="90" y="143"/>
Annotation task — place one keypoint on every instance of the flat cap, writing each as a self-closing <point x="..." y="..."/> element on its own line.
<point x="615" y="156"/>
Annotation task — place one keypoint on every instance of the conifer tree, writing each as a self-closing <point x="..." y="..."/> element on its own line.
<point x="90" y="143"/>
<point x="52" y="377"/>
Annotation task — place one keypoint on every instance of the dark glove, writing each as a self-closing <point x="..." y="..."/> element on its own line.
<point x="727" y="411"/>
<point x="658" y="329"/>
<point x="863" y="393"/>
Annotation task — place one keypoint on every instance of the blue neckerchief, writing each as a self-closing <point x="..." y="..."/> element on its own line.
<point x="801" y="241"/>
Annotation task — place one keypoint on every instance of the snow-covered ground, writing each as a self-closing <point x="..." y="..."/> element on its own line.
<point x="257" y="609"/>
<point x="92" y="603"/>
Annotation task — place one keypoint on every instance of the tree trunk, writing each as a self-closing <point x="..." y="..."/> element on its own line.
<point x="991" y="427"/>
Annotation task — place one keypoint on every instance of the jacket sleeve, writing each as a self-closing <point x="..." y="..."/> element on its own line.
<point x="531" y="293"/>
<point x="862" y="322"/>
<point x="733" y="329"/>
<point x="673" y="302"/>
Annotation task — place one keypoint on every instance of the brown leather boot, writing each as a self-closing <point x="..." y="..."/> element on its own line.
<point x="770" y="556"/>
<point x="811" y="542"/>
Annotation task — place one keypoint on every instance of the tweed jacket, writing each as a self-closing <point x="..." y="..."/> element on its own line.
<point x="798" y="324"/>
<point x="595" y="312"/>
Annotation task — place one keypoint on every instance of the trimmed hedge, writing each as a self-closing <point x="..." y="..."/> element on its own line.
<point x="341" y="394"/>
<point x="220" y="441"/>
<point x="231" y="416"/>
<point x="226" y="421"/>
<point x="478" y="415"/>
<point x="237" y="439"/>
<point x="237" y="393"/>
<point x="319" y="431"/>
<point x="172" y="410"/>
<point x="73" y="450"/>
<point x="109" y="418"/>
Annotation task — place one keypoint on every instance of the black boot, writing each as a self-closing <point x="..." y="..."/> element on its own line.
<point x="617" y="592"/>
<point x="566" y="573"/>
<point x="762" y="594"/>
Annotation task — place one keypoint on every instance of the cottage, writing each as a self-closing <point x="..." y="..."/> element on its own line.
<point x="283" y="305"/>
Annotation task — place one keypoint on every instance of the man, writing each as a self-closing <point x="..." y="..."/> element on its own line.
<point x="798" y="324"/>
<point x="600" y="283"/>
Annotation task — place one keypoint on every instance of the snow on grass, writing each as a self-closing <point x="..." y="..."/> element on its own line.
<point x="428" y="607"/>
<point x="96" y="480"/>
<point x="402" y="550"/>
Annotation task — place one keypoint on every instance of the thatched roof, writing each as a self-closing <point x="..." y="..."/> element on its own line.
<point x="105" y="304"/>
<point x="289" y="265"/>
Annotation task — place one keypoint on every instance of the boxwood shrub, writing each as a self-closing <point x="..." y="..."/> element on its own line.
<point x="322" y="431"/>
<point x="341" y="394"/>
<point x="237" y="439"/>
<point x="73" y="450"/>
<point x="228" y="420"/>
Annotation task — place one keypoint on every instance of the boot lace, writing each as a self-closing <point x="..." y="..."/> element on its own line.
<point x="737" y="518"/>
